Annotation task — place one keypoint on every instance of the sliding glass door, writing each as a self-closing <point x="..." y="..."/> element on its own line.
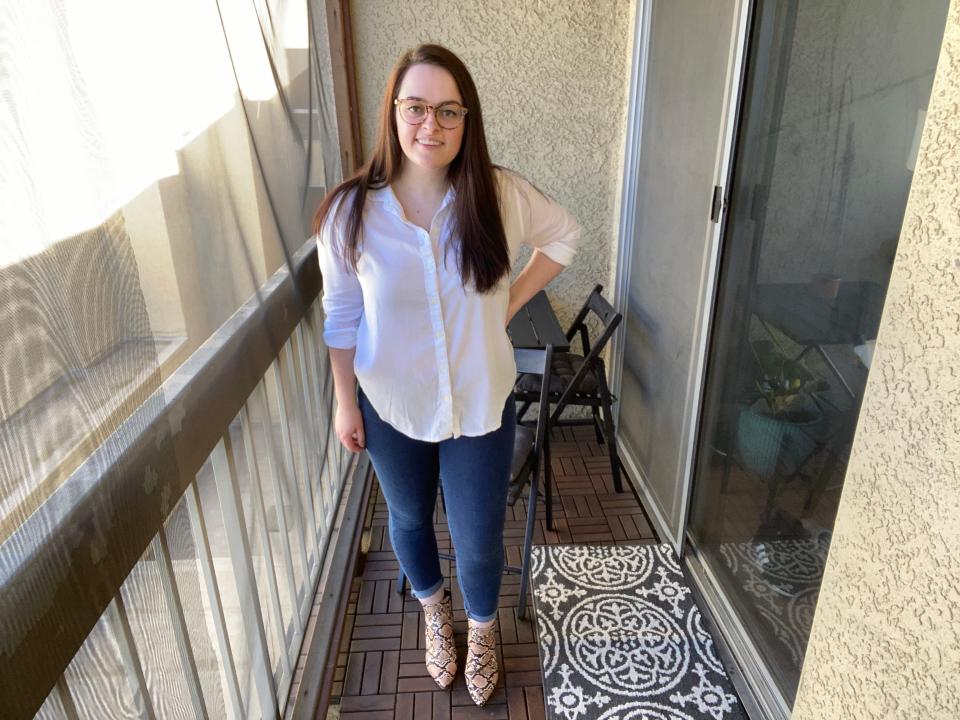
<point x="834" y="104"/>
<point x="691" y="50"/>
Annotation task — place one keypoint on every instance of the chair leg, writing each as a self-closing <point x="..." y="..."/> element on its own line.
<point x="596" y="424"/>
<point x="725" y="478"/>
<point x="610" y="432"/>
<point x="527" y="546"/>
<point x="523" y="410"/>
<point x="401" y="583"/>
<point x="547" y="480"/>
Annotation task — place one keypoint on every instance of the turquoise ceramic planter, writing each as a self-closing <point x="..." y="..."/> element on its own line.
<point x="768" y="444"/>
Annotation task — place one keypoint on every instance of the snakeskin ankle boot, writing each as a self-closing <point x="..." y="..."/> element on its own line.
<point x="441" y="650"/>
<point x="481" y="671"/>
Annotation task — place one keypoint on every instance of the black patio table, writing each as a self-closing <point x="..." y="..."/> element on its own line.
<point x="535" y="326"/>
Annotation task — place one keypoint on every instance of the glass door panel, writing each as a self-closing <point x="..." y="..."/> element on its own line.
<point x="671" y="266"/>
<point x="833" y="108"/>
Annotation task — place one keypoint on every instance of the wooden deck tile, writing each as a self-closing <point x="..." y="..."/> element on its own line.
<point x="379" y="670"/>
<point x="376" y="631"/>
<point x="362" y="703"/>
<point x="441" y="705"/>
<point x="354" y="677"/>
<point x="404" y="707"/>
<point x="368" y="715"/>
<point x="371" y="674"/>
<point x="388" y="672"/>
<point x="516" y="704"/>
<point x="535" y="707"/>
<point x="516" y="664"/>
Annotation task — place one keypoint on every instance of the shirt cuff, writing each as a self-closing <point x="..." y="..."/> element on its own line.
<point x="340" y="339"/>
<point x="562" y="250"/>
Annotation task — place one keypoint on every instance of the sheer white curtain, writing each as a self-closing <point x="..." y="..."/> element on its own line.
<point x="158" y="161"/>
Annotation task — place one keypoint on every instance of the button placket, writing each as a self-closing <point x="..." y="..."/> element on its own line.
<point x="432" y="283"/>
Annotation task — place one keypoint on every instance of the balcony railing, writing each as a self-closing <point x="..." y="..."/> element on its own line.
<point x="174" y="572"/>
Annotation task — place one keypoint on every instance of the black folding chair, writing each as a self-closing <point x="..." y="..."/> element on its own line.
<point x="581" y="380"/>
<point x="531" y="451"/>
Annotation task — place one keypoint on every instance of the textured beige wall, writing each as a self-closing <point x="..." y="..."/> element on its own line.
<point x="886" y="636"/>
<point x="553" y="77"/>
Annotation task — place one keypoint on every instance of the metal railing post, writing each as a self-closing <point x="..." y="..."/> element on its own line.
<point x="224" y="472"/>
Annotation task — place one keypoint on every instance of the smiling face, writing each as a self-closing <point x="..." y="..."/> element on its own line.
<point x="428" y="145"/>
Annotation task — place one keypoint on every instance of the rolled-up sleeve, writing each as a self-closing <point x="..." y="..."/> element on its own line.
<point x="342" y="295"/>
<point x="547" y="224"/>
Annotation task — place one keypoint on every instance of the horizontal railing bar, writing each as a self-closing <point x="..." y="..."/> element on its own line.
<point x="62" y="567"/>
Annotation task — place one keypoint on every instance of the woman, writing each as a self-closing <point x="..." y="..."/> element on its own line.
<point x="416" y="251"/>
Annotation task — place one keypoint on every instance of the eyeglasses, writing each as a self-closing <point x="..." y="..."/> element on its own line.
<point x="449" y="115"/>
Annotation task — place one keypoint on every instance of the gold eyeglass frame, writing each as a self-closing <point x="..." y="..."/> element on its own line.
<point x="432" y="109"/>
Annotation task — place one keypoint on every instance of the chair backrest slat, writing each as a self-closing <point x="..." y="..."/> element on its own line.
<point x="610" y="319"/>
<point x="577" y="323"/>
<point x="598" y="303"/>
<point x="537" y="362"/>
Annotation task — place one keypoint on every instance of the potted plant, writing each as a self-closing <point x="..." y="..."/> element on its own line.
<point x="779" y="429"/>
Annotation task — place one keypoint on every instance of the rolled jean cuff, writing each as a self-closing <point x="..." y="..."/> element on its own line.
<point x="422" y="594"/>
<point x="482" y="618"/>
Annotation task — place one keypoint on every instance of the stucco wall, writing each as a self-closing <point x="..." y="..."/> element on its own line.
<point x="553" y="79"/>
<point x="886" y="636"/>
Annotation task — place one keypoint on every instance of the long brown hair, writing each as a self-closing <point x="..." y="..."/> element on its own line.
<point x="483" y="256"/>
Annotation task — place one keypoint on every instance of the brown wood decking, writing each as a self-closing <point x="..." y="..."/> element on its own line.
<point x="380" y="671"/>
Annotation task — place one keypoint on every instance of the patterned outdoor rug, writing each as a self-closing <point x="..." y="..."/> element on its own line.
<point x="621" y="638"/>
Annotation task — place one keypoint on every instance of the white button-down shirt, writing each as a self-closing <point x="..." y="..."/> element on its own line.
<point x="433" y="357"/>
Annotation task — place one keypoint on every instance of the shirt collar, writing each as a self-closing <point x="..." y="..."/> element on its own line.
<point x="387" y="197"/>
<point x="448" y="198"/>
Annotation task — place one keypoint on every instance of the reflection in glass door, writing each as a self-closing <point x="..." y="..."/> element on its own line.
<point x="833" y="108"/>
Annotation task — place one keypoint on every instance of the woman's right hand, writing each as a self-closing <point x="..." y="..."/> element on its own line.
<point x="348" y="424"/>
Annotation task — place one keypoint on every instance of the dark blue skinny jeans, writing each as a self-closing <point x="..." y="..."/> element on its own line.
<point x="475" y="472"/>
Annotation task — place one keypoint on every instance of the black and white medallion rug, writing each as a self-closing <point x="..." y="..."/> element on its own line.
<point x="622" y="639"/>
